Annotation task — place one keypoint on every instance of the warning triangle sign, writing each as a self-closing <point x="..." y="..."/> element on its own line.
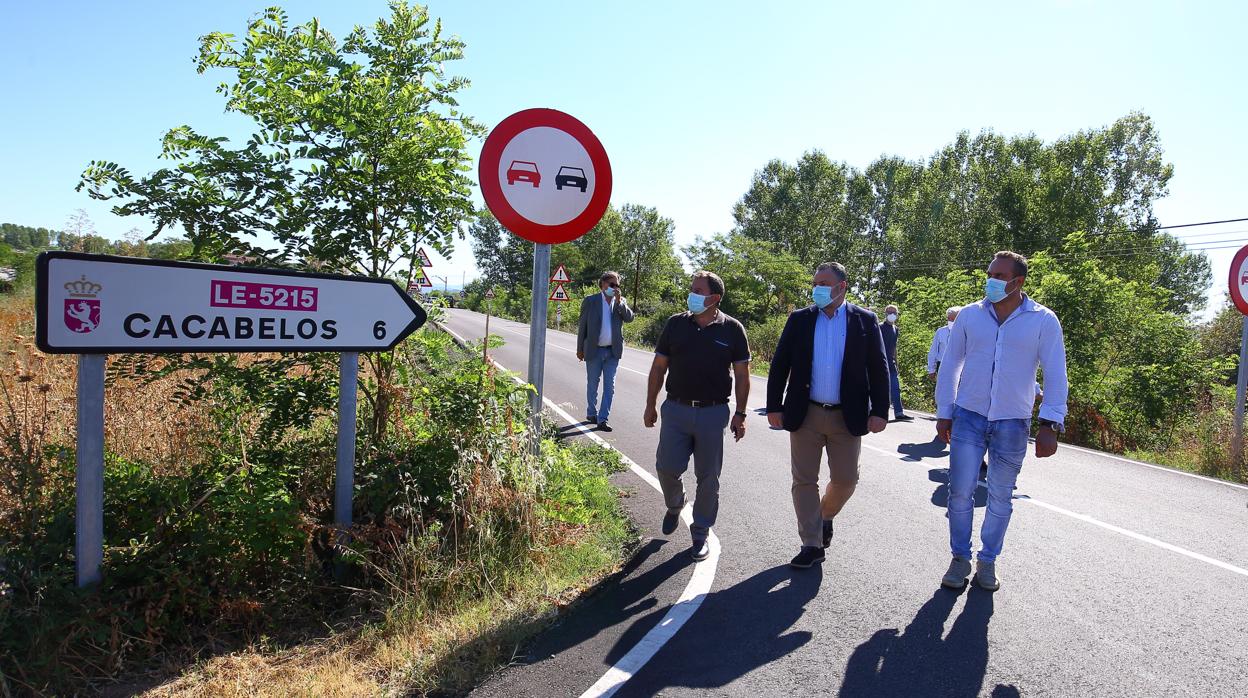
<point x="560" y="293"/>
<point x="561" y="275"/>
<point x="489" y="293"/>
<point x="424" y="258"/>
<point x="419" y="278"/>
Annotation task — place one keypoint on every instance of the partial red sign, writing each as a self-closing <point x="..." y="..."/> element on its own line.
<point x="1239" y="280"/>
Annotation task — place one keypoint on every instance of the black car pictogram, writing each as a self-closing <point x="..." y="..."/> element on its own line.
<point x="572" y="177"/>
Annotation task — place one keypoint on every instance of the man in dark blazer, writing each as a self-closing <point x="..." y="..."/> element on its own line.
<point x="600" y="344"/>
<point x="831" y="359"/>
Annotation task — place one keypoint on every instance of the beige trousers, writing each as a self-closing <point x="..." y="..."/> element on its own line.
<point x="822" y="431"/>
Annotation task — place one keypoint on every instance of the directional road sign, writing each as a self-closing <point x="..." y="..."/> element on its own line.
<point x="89" y="304"/>
<point x="545" y="176"/>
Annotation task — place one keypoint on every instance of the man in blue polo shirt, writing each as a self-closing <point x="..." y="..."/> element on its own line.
<point x="985" y="393"/>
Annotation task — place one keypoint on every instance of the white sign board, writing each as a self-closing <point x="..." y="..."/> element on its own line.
<point x="104" y="304"/>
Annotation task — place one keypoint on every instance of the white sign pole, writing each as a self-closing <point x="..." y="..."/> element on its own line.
<point x="537" y="335"/>
<point x="1237" y="442"/>
<point x="344" y="470"/>
<point x="89" y="481"/>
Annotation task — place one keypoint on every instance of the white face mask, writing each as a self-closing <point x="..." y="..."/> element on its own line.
<point x="891" y="317"/>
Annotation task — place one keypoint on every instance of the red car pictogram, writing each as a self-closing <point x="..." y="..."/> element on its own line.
<point x="523" y="171"/>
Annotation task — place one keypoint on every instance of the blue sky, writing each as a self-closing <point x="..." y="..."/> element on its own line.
<point x="689" y="98"/>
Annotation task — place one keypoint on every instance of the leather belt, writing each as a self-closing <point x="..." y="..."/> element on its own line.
<point x="697" y="403"/>
<point x="826" y="406"/>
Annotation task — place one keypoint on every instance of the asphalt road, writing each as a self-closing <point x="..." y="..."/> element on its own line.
<point x="1118" y="578"/>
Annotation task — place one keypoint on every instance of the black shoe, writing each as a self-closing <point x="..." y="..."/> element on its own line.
<point x="591" y="418"/>
<point x="827" y="533"/>
<point x="808" y="556"/>
<point x="700" y="550"/>
<point x="603" y="426"/>
<point x="903" y="418"/>
<point x="670" y="519"/>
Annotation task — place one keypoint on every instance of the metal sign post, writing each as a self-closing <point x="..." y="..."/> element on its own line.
<point x="94" y="305"/>
<point x="1237" y="441"/>
<point x="537" y="336"/>
<point x="344" y="468"/>
<point x="89" y="479"/>
<point x="1238" y="291"/>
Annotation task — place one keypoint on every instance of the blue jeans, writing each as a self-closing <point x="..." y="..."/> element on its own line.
<point x="894" y="386"/>
<point x="1005" y="441"/>
<point x="600" y="362"/>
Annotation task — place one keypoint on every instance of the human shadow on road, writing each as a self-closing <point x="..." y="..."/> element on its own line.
<point x="614" y="602"/>
<point x="568" y="431"/>
<point x="940" y="497"/>
<point x="920" y="451"/>
<point x="736" y="631"/>
<point x="917" y="661"/>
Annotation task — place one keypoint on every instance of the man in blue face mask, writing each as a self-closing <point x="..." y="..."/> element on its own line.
<point x="985" y="393"/>
<point x="828" y="386"/>
<point x="703" y="354"/>
<point x="600" y="344"/>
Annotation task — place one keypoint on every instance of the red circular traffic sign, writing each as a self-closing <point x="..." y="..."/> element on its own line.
<point x="1239" y="280"/>
<point x="545" y="176"/>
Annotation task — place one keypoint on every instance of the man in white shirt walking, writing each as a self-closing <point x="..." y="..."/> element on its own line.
<point x="985" y="393"/>
<point x="940" y="340"/>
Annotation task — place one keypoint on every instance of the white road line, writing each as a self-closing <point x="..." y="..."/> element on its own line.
<point x="1097" y="522"/>
<point x="1111" y="456"/>
<point x="690" y="600"/>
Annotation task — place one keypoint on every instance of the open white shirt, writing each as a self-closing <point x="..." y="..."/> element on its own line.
<point x="604" y="328"/>
<point x="939" y="341"/>
<point x="990" y="368"/>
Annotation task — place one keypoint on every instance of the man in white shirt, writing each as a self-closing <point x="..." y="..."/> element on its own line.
<point x="600" y="344"/>
<point x="985" y="393"/>
<point x="940" y="340"/>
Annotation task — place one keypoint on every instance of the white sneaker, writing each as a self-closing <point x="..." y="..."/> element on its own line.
<point x="959" y="570"/>
<point x="986" y="575"/>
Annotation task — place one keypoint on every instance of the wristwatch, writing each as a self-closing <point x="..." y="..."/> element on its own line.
<point x="741" y="414"/>
<point x="1055" y="426"/>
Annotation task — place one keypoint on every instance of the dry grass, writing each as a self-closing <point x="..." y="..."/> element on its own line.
<point x="409" y="654"/>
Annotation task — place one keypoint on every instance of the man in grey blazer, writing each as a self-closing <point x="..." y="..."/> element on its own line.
<point x="600" y="344"/>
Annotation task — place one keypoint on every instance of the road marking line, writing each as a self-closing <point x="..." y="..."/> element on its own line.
<point x="690" y="599"/>
<point x="1132" y="461"/>
<point x="1097" y="522"/>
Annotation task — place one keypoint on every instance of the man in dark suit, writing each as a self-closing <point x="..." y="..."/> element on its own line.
<point x="831" y="358"/>
<point x="600" y="344"/>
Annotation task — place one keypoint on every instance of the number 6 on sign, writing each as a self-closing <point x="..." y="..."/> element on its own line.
<point x="379" y="329"/>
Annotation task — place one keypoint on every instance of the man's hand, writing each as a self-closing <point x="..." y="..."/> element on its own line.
<point x="580" y="356"/>
<point x="876" y="425"/>
<point x="775" y="420"/>
<point x="1046" y="442"/>
<point x="943" y="427"/>
<point x="931" y="377"/>
<point x="650" y="416"/>
<point x="617" y="300"/>
<point x="738" y="427"/>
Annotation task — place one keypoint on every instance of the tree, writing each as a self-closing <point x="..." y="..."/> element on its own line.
<point x="358" y="158"/>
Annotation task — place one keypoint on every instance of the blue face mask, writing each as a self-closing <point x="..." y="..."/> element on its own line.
<point x="822" y="296"/>
<point x="610" y="292"/>
<point x="994" y="290"/>
<point x="696" y="303"/>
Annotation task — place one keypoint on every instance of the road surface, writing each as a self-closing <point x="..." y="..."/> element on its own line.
<point x="1118" y="578"/>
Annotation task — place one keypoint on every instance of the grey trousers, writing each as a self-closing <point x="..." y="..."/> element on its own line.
<point x="696" y="431"/>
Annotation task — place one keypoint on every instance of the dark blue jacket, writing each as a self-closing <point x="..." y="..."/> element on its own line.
<point x="889" y="332"/>
<point x="864" y="375"/>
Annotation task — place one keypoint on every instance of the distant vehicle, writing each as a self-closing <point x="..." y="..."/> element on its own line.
<point x="571" y="177"/>
<point x="524" y="171"/>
